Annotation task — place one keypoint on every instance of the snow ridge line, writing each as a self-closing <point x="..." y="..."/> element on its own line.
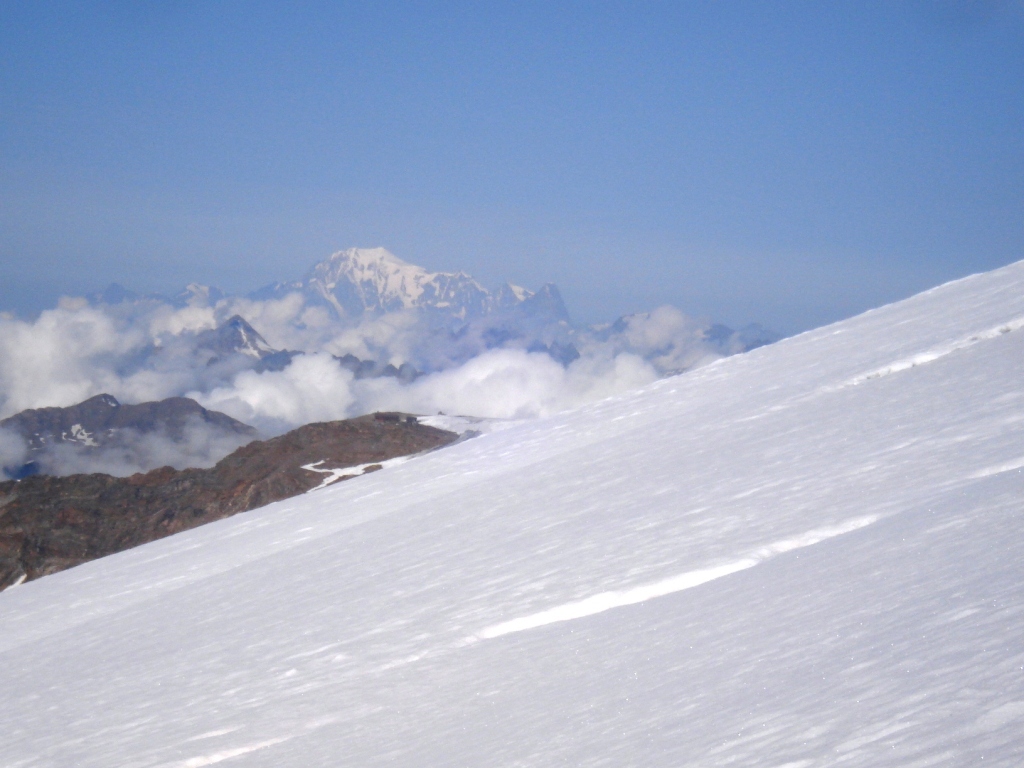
<point x="605" y="601"/>
<point x="933" y="354"/>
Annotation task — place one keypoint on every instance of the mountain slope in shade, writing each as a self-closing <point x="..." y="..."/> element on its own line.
<point x="807" y="555"/>
<point x="99" y="418"/>
<point x="102" y="425"/>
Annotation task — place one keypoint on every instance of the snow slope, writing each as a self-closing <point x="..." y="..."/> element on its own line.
<point x="807" y="555"/>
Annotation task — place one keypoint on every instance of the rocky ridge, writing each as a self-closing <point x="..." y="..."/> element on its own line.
<point x="101" y="423"/>
<point x="51" y="523"/>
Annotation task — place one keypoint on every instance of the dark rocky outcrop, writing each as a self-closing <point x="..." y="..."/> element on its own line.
<point x="50" y="523"/>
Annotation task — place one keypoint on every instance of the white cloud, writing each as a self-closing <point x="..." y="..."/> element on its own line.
<point x="500" y="383"/>
<point x="511" y="383"/>
<point x="12" y="451"/>
<point x="312" y="388"/>
<point x="66" y="355"/>
<point x="201" y="445"/>
<point x="286" y="323"/>
<point x="166" y="320"/>
<point x="146" y="350"/>
<point x="670" y="340"/>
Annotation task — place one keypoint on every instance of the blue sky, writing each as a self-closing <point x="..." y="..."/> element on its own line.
<point x="788" y="163"/>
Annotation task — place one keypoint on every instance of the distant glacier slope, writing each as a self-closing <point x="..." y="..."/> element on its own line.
<point x="808" y="555"/>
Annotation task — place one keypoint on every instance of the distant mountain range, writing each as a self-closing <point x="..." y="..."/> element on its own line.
<point x="361" y="281"/>
<point x="456" y="318"/>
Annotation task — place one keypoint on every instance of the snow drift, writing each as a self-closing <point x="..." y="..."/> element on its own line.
<point x="807" y="555"/>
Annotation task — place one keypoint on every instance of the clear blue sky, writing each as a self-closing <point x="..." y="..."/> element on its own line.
<point x="790" y="163"/>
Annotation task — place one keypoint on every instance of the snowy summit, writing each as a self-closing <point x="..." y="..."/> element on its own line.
<point x="806" y="555"/>
<point x="361" y="281"/>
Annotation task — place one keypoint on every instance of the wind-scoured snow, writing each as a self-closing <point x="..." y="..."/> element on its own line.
<point x="608" y="600"/>
<point x="939" y="351"/>
<point x="784" y="558"/>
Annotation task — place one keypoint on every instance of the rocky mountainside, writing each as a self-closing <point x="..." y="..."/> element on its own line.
<point x="235" y="336"/>
<point x="101" y="424"/>
<point x="98" y="419"/>
<point x="50" y="523"/>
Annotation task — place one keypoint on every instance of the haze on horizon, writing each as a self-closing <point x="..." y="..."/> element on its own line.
<point x="789" y="165"/>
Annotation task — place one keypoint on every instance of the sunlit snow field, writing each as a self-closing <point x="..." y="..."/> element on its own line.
<point x="807" y="555"/>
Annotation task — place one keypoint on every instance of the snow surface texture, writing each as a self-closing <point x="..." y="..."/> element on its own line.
<point x="808" y="555"/>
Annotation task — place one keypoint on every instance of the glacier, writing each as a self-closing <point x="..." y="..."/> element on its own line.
<point x="806" y="555"/>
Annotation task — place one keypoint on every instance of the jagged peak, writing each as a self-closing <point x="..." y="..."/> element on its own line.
<point x="376" y="262"/>
<point x="355" y="281"/>
<point x="235" y="335"/>
<point x="358" y="280"/>
<point x="510" y="293"/>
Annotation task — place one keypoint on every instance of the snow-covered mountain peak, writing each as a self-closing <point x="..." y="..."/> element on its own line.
<point x="521" y="294"/>
<point x="387" y="272"/>
<point x="510" y="295"/>
<point x="361" y="280"/>
<point x="235" y="336"/>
